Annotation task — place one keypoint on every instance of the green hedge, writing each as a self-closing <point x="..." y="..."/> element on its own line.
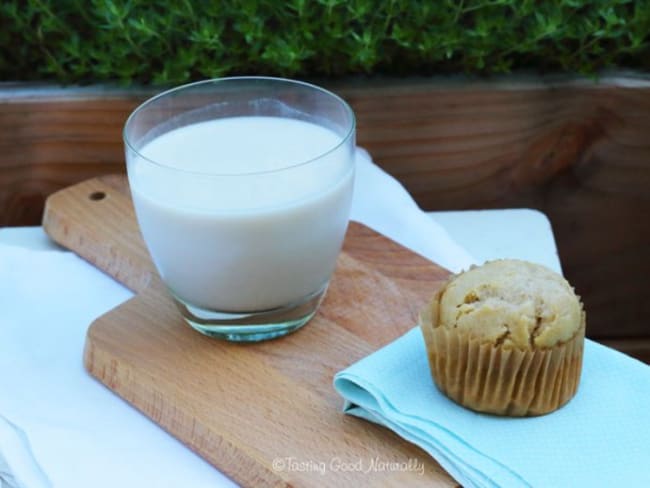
<point x="175" y="41"/>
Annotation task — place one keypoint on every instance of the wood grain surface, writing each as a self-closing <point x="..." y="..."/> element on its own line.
<point x="578" y="150"/>
<point x="242" y="406"/>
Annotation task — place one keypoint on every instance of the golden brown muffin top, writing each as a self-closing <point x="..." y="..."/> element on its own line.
<point x="511" y="302"/>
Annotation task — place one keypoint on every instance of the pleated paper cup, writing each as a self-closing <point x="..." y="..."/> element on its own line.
<point x="487" y="377"/>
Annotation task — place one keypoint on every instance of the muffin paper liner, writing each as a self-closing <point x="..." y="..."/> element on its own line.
<point x="501" y="380"/>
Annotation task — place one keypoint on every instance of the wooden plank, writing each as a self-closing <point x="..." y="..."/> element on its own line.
<point x="576" y="150"/>
<point x="243" y="406"/>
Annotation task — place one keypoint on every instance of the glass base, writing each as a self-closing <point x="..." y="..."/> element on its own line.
<point x="253" y="326"/>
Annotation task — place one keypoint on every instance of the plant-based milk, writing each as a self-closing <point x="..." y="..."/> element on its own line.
<point x="243" y="214"/>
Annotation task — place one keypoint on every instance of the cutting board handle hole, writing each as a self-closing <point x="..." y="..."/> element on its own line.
<point x="97" y="196"/>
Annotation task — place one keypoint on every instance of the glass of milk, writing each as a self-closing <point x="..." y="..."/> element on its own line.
<point x="242" y="189"/>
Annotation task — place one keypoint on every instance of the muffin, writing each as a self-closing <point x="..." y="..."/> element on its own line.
<point x="506" y="338"/>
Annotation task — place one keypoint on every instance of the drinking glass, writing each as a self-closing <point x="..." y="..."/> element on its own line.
<point x="242" y="190"/>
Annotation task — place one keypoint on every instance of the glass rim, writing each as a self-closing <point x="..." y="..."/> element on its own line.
<point x="170" y="91"/>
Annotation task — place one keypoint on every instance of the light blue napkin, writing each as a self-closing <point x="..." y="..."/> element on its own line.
<point x="600" y="438"/>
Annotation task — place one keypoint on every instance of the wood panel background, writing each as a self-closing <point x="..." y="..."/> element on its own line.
<point x="577" y="150"/>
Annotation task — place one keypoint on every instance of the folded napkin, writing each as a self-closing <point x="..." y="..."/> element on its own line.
<point x="18" y="467"/>
<point x="600" y="438"/>
<point x="82" y="434"/>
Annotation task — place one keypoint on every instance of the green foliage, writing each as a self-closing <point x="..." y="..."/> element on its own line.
<point x="180" y="40"/>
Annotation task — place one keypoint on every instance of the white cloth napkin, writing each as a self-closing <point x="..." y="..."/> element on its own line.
<point x="18" y="466"/>
<point x="382" y="203"/>
<point x="81" y="433"/>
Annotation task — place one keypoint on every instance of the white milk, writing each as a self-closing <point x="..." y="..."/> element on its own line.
<point x="241" y="243"/>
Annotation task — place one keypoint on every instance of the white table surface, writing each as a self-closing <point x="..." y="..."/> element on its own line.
<point x="487" y="234"/>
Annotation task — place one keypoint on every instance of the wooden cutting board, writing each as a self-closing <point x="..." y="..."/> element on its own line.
<point x="243" y="407"/>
